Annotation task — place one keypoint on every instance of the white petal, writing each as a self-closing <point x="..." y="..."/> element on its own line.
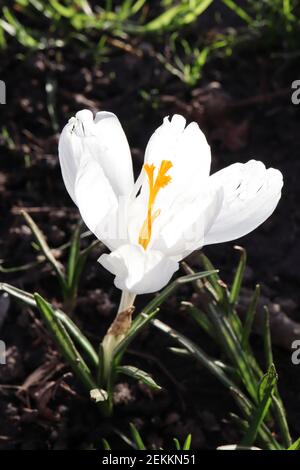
<point x="70" y="149"/>
<point x="94" y="196"/>
<point x="185" y="147"/>
<point x="184" y="231"/>
<point x="105" y="141"/>
<point x="113" y="152"/>
<point x="251" y="193"/>
<point x="137" y="270"/>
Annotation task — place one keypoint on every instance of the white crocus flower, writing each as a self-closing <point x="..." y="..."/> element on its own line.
<point x="174" y="207"/>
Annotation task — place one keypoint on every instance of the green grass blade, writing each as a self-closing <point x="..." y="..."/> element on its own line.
<point x="200" y="318"/>
<point x="177" y="443"/>
<point x="70" y="326"/>
<point x="238" y="278"/>
<point x="214" y="279"/>
<point x="73" y="257"/>
<point x="137" y="437"/>
<point x="187" y="443"/>
<point x="295" y="445"/>
<point x="265" y="392"/>
<point x="244" y="404"/>
<point x="105" y="444"/>
<point x="250" y="317"/>
<point x="177" y="16"/>
<point x="267" y="338"/>
<point x="65" y="344"/>
<point x="233" y="349"/>
<point x="281" y="419"/>
<point x="139" y="375"/>
<point x="152" y="308"/>
<point x="239" y="11"/>
<point x="195" y="351"/>
<point x="45" y="247"/>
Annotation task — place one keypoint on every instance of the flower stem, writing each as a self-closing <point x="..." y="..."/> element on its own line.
<point x="127" y="300"/>
<point x="115" y="334"/>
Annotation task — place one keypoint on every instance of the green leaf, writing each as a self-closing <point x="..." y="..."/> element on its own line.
<point x="106" y="445"/>
<point x="45" y="248"/>
<point x="65" y="344"/>
<point x="214" y="367"/>
<point x="267" y="338"/>
<point x="268" y="381"/>
<point x="70" y="326"/>
<point x="177" y="16"/>
<point x="67" y="12"/>
<point x="177" y="443"/>
<point x="250" y="317"/>
<point x="281" y="418"/>
<point x="73" y="256"/>
<point x="232" y="347"/>
<point x="214" y="279"/>
<point x="152" y="308"/>
<point x="295" y="445"/>
<point x="239" y="11"/>
<point x="265" y="391"/>
<point x="187" y="443"/>
<point x="195" y="351"/>
<point x="137" y="437"/>
<point x="238" y="278"/>
<point x="139" y="375"/>
<point x="200" y="317"/>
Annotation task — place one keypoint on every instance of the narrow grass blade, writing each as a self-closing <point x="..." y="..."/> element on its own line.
<point x="233" y="349"/>
<point x="250" y="317"/>
<point x="137" y="437"/>
<point x="265" y="392"/>
<point x="195" y="351"/>
<point x="152" y="308"/>
<point x="214" y="279"/>
<point x="71" y="327"/>
<point x="187" y="443"/>
<point x="139" y="375"/>
<point x="239" y="11"/>
<point x="200" y="318"/>
<point x="238" y="278"/>
<point x="177" y="443"/>
<point x="45" y="247"/>
<point x="281" y="419"/>
<point x="65" y="344"/>
<point x="213" y="366"/>
<point x="295" y="445"/>
<point x="73" y="257"/>
<point x="105" y="444"/>
<point x="267" y="338"/>
<point x="177" y="16"/>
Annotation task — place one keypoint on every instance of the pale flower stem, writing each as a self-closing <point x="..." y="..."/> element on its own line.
<point x="116" y="332"/>
<point x="127" y="300"/>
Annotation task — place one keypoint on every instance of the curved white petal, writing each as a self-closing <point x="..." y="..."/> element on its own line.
<point x="185" y="147"/>
<point x="94" y="197"/>
<point x="137" y="270"/>
<point x="187" y="223"/>
<point x="105" y="141"/>
<point x="113" y="152"/>
<point x="70" y="149"/>
<point x="251" y="193"/>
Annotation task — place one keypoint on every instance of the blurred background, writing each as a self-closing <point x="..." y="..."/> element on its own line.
<point x="229" y="65"/>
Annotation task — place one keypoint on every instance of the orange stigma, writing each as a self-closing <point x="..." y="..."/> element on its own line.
<point x="161" y="181"/>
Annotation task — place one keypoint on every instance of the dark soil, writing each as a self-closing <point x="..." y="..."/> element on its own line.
<point x="244" y="105"/>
